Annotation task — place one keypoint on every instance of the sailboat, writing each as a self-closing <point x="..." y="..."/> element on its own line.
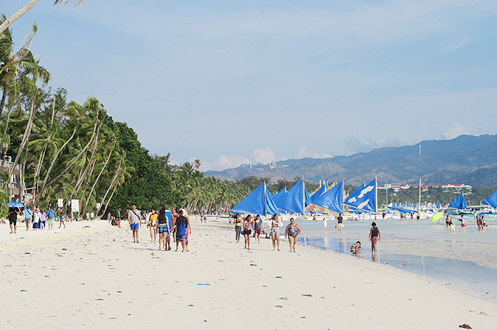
<point x="258" y="202"/>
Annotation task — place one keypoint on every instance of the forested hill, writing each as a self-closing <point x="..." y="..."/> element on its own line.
<point x="466" y="159"/>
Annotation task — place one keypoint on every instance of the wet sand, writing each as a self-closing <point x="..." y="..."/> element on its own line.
<point x="97" y="278"/>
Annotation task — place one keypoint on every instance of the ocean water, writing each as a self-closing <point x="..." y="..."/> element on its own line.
<point x="466" y="274"/>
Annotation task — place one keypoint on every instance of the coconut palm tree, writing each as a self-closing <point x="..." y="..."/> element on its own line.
<point x="7" y="22"/>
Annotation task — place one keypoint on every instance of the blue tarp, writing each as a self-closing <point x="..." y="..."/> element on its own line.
<point x="332" y="199"/>
<point x="458" y="203"/>
<point x="363" y="198"/>
<point x="293" y="200"/>
<point x="491" y="200"/>
<point x="257" y="203"/>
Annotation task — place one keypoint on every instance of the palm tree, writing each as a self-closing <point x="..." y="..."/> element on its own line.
<point x="6" y="23"/>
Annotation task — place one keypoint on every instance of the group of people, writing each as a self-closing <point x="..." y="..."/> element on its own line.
<point x="159" y="224"/>
<point x="37" y="217"/>
<point x="451" y="227"/>
<point x="249" y="225"/>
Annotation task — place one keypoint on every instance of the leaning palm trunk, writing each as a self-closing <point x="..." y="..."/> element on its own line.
<point x="4" y="26"/>
<point x="24" y="141"/>
<point x="82" y="176"/>
<point x="110" y="186"/>
<point x="110" y="198"/>
<point x="98" y="177"/>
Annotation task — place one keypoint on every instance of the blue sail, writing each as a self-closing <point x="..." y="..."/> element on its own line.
<point x="318" y="193"/>
<point x="458" y="203"/>
<point x="363" y="198"/>
<point x="332" y="199"/>
<point x="278" y="195"/>
<point x="258" y="201"/>
<point x="491" y="200"/>
<point x="293" y="200"/>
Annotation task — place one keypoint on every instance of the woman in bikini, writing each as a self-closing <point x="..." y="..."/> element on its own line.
<point x="292" y="231"/>
<point x="238" y="227"/>
<point x="247" y="230"/>
<point x="275" y="231"/>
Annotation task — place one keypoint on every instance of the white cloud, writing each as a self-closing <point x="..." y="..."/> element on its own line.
<point x="263" y="156"/>
<point x="456" y="130"/>
<point x="303" y="153"/>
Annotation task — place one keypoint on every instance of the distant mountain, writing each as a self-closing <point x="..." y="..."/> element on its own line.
<point x="466" y="159"/>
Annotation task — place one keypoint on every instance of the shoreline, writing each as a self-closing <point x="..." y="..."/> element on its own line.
<point x="99" y="279"/>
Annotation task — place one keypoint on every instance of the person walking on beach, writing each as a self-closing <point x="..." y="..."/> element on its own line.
<point x="340" y="223"/>
<point x="36" y="219"/>
<point x="292" y="231"/>
<point x="43" y="219"/>
<point x="447" y="227"/>
<point x="134" y="219"/>
<point x="51" y="215"/>
<point x="180" y="228"/>
<point x="247" y="230"/>
<point x="258" y="228"/>
<point x="13" y="213"/>
<point x="452" y="226"/>
<point x="164" y="231"/>
<point x="374" y="237"/>
<point x="153" y="226"/>
<point x="175" y="216"/>
<point x="62" y="222"/>
<point x="188" y="230"/>
<point x="238" y="227"/>
<point x="275" y="231"/>
<point x="463" y="224"/>
<point x="28" y="216"/>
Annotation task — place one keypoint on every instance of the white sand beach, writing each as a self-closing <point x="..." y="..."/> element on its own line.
<point x="96" y="278"/>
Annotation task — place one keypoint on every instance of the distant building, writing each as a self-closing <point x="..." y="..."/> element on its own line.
<point x="424" y="187"/>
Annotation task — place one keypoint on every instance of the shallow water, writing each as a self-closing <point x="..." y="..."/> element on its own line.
<point x="457" y="272"/>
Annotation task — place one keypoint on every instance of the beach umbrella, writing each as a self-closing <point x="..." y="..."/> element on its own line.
<point x="437" y="216"/>
<point x="15" y="204"/>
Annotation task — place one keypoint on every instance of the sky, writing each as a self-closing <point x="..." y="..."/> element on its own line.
<point x="255" y="81"/>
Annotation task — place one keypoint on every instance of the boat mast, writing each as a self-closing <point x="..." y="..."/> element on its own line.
<point x="303" y="195"/>
<point x="419" y="197"/>
<point x="265" y="198"/>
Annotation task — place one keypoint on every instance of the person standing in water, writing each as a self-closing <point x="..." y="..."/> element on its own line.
<point x="292" y="231"/>
<point x="325" y="224"/>
<point x="247" y="230"/>
<point x="275" y="231"/>
<point x="258" y="228"/>
<point x="340" y="223"/>
<point x="374" y="237"/>
<point x="463" y="224"/>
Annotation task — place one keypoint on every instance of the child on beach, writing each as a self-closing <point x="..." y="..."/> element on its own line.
<point x="374" y="237"/>
<point x="356" y="248"/>
<point x="62" y="220"/>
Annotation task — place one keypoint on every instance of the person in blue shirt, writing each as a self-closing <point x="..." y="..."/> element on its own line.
<point x="51" y="215"/>
<point x="28" y="216"/>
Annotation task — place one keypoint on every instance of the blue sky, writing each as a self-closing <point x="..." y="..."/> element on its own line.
<point x="229" y="81"/>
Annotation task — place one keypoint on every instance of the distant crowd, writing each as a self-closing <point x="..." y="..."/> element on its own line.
<point x="36" y="219"/>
